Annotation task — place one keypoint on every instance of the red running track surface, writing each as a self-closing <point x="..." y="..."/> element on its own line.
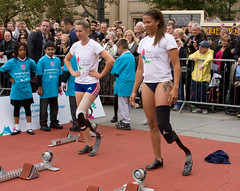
<point x="120" y="153"/>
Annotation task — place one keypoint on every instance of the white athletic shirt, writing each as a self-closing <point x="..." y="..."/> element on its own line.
<point x="87" y="59"/>
<point x="156" y="62"/>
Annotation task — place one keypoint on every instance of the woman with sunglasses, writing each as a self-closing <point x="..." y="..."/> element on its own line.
<point x="22" y="38"/>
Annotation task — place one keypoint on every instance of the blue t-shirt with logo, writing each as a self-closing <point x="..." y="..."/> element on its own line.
<point x="71" y="80"/>
<point x="124" y="67"/>
<point x="20" y="71"/>
<point x="50" y="70"/>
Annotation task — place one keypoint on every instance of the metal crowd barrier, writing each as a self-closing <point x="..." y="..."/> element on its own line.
<point x="5" y="84"/>
<point x="220" y="92"/>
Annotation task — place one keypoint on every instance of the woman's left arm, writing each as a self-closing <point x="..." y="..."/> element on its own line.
<point x="173" y="55"/>
<point x="109" y="63"/>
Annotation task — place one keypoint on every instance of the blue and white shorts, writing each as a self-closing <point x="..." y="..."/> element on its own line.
<point x="93" y="89"/>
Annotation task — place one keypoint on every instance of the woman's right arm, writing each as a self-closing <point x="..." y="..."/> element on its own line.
<point x="69" y="66"/>
<point x="138" y="81"/>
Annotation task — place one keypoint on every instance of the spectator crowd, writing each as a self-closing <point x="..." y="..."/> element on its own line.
<point x="192" y="43"/>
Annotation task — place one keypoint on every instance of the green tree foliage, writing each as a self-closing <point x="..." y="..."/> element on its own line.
<point x="29" y="10"/>
<point x="32" y="11"/>
<point x="212" y="7"/>
<point x="58" y="9"/>
<point x="91" y="4"/>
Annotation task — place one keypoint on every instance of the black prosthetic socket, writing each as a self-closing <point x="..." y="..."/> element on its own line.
<point x="163" y="118"/>
<point x="81" y="122"/>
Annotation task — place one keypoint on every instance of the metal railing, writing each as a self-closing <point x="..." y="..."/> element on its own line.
<point x="219" y="92"/>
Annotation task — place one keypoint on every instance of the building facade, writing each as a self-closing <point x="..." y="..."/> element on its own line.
<point x="127" y="11"/>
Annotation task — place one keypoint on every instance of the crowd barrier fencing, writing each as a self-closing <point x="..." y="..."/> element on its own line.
<point x="220" y="91"/>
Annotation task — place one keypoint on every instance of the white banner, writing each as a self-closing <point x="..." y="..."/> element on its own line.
<point x="64" y="116"/>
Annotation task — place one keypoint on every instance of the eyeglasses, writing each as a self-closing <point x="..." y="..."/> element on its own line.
<point x="22" y="38"/>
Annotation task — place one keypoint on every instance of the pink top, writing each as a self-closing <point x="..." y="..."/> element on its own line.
<point x="219" y="56"/>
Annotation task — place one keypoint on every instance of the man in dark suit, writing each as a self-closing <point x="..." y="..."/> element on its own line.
<point x="36" y="42"/>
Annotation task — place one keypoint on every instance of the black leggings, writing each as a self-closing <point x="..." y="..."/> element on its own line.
<point x="16" y="111"/>
<point x="115" y="104"/>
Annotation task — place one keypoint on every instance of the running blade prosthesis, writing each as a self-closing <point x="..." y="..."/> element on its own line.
<point x="87" y="124"/>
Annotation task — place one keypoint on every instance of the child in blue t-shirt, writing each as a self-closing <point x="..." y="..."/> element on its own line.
<point x="49" y="75"/>
<point x="21" y="69"/>
<point x="124" y="71"/>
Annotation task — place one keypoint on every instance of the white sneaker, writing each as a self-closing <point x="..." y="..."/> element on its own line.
<point x="145" y="122"/>
<point x="175" y="108"/>
<point x="197" y="110"/>
<point x="204" y="111"/>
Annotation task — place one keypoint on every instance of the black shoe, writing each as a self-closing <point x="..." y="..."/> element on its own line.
<point x="114" y="119"/>
<point x="55" y="125"/>
<point x="76" y="129"/>
<point x="45" y="128"/>
<point x="156" y="164"/>
<point x="123" y="126"/>
<point x="15" y="132"/>
<point x="30" y="132"/>
<point x="85" y="150"/>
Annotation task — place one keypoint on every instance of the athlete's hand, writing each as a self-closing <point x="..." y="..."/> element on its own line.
<point x="76" y="73"/>
<point x="173" y="96"/>
<point x="95" y="74"/>
<point x="132" y="99"/>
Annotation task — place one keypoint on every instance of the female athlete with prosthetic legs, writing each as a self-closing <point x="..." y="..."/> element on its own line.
<point x="87" y="85"/>
<point x="158" y="92"/>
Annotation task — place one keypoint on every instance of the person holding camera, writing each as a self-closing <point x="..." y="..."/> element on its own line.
<point x="110" y="45"/>
<point x="63" y="45"/>
<point x="194" y="40"/>
<point x="19" y="26"/>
